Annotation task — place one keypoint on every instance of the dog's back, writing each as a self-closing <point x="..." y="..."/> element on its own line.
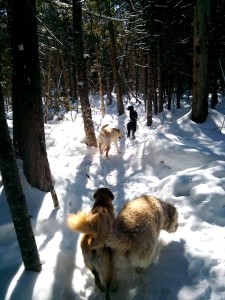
<point x="98" y="222"/>
<point x="95" y="226"/>
<point x="107" y="136"/>
<point x="137" y="227"/>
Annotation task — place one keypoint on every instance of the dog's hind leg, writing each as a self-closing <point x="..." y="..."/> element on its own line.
<point x="128" y="131"/>
<point x="100" y="147"/>
<point x="107" y="152"/>
<point x="108" y="270"/>
<point x="98" y="281"/>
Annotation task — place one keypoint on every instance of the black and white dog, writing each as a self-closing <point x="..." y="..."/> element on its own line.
<point x="132" y="124"/>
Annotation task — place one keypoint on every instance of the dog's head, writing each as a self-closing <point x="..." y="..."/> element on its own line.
<point x="130" y="108"/>
<point x="120" y="134"/>
<point x="171" y="222"/>
<point x="103" y="193"/>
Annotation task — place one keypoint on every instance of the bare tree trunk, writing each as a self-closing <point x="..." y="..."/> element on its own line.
<point x="109" y="90"/>
<point x="150" y="92"/>
<point x="16" y="198"/>
<point x="48" y="94"/>
<point x="81" y="74"/>
<point x="73" y="81"/>
<point x="115" y="68"/>
<point x="160" y="88"/>
<point x="100" y="80"/>
<point x="28" y="119"/>
<point x="200" y="68"/>
<point x="178" y="90"/>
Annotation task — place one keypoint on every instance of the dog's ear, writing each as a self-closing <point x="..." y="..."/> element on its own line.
<point x="110" y="194"/>
<point x="172" y="211"/>
<point x="103" y="191"/>
<point x="119" y="132"/>
<point x="96" y="194"/>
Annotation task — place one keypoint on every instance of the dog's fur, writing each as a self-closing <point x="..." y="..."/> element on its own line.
<point x="106" y="137"/>
<point x="95" y="225"/>
<point x="131" y="128"/>
<point x="136" y="229"/>
<point x="132" y="124"/>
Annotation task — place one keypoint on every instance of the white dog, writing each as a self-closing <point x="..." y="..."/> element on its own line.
<point x="106" y="137"/>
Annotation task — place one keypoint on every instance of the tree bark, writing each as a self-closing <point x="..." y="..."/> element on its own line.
<point x="16" y="198"/>
<point x="200" y="67"/>
<point x="100" y="80"/>
<point x="115" y="68"/>
<point x="28" y="121"/>
<point x="81" y="74"/>
<point x="159" y="78"/>
<point x="150" y="92"/>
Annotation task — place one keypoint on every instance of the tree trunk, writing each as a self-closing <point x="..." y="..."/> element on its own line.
<point x="16" y="198"/>
<point x="178" y="90"/>
<point x="115" y="68"/>
<point x="28" y="124"/>
<point x="159" y="67"/>
<point x="109" y="89"/>
<point x="81" y="74"/>
<point x="150" y="93"/>
<point x="200" y="68"/>
<point x="73" y="81"/>
<point x="100" y="80"/>
<point x="49" y="77"/>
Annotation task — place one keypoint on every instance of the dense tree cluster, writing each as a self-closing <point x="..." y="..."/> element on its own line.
<point x="55" y="53"/>
<point x="125" y="43"/>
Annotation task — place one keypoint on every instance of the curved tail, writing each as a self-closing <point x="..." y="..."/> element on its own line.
<point x="81" y="222"/>
<point x="103" y="127"/>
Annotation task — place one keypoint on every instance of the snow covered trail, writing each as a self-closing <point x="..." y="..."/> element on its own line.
<point x="180" y="162"/>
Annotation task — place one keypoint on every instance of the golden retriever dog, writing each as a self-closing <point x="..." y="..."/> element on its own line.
<point x="95" y="226"/>
<point x="106" y="137"/>
<point x="135" y="231"/>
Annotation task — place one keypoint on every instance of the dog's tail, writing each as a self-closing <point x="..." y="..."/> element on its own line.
<point x="104" y="126"/>
<point x="81" y="222"/>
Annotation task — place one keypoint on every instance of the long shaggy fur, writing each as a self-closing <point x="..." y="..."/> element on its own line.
<point x="137" y="227"/>
<point x="82" y="221"/>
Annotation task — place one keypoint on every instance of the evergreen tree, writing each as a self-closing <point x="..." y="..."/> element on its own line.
<point x="200" y="68"/>
<point x="28" y="129"/>
<point x="81" y="74"/>
<point x="15" y="196"/>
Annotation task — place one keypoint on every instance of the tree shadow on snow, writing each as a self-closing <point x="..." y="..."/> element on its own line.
<point x="169" y="273"/>
<point x="64" y="283"/>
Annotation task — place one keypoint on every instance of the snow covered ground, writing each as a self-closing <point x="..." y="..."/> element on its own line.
<point x="175" y="159"/>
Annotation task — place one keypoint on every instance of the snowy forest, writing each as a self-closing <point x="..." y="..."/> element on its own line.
<point x="58" y="57"/>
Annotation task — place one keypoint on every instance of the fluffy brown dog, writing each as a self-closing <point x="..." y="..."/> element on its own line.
<point x="136" y="229"/>
<point x="95" y="225"/>
<point x="106" y="137"/>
